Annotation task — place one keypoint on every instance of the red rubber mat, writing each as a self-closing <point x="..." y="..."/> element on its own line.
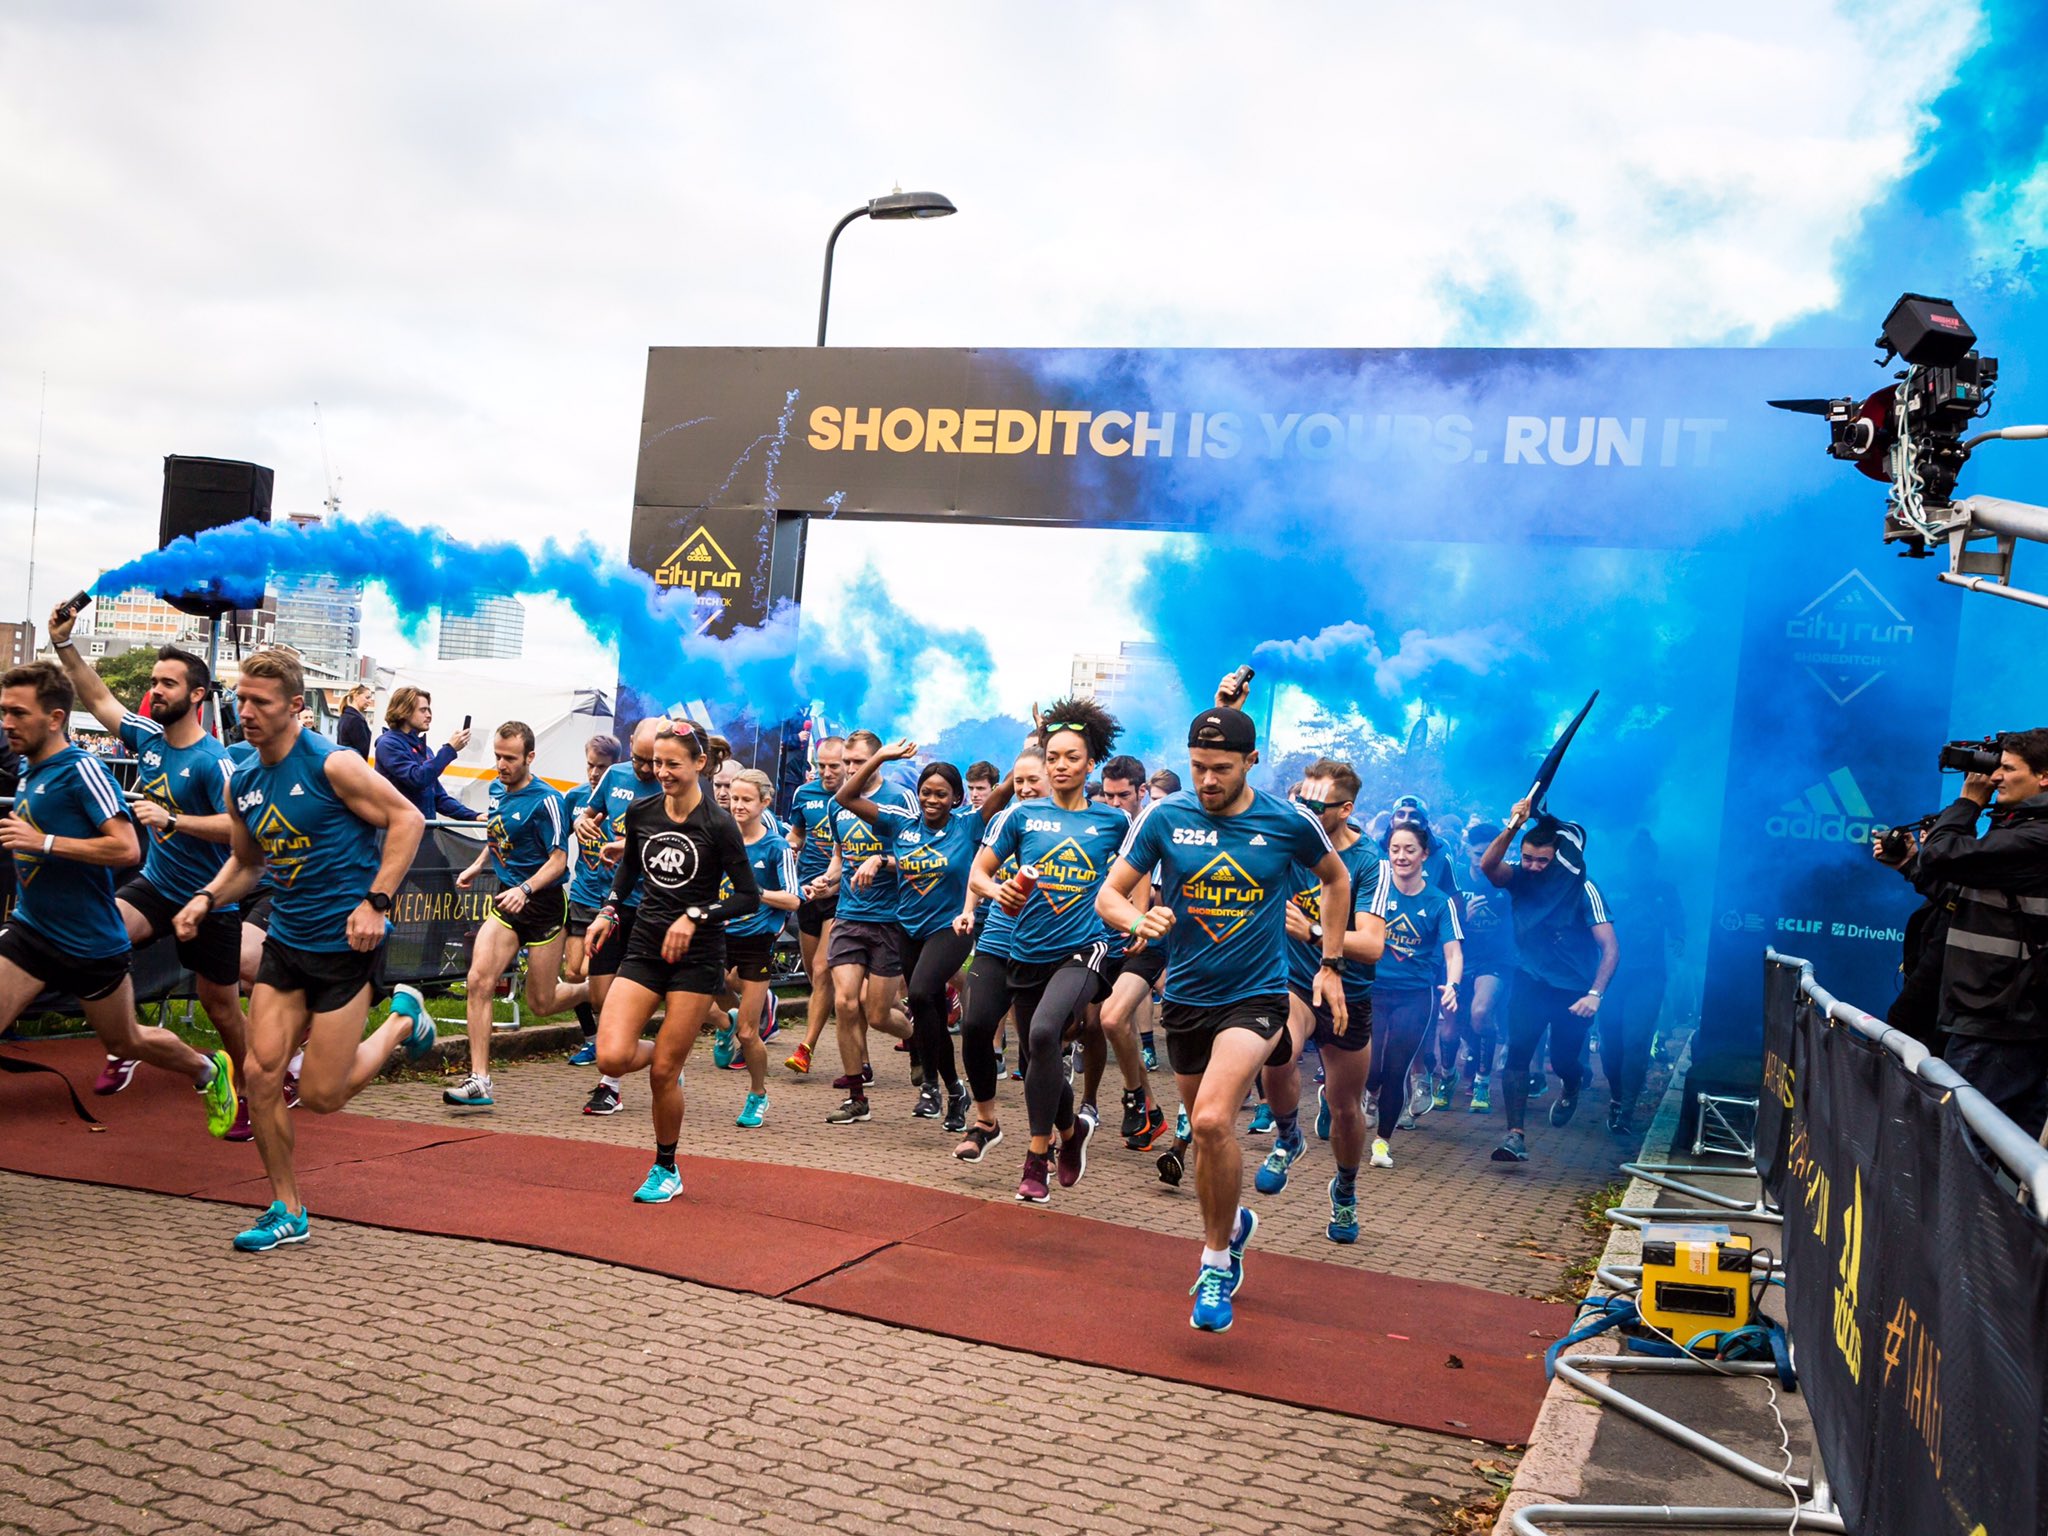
<point x="1318" y="1335"/>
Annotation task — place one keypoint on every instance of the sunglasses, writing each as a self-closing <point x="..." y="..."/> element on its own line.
<point x="1317" y="807"/>
<point x="1065" y="725"/>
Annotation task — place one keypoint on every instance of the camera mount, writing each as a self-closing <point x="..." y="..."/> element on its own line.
<point x="1910" y="436"/>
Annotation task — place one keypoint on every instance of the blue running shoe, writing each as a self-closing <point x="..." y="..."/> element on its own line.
<point x="1322" y="1114"/>
<point x="407" y="1002"/>
<point x="1240" y="1238"/>
<point x="274" y="1228"/>
<point x="1211" y="1291"/>
<point x="1272" y="1175"/>
<point x="1262" y="1121"/>
<point x="753" y="1112"/>
<point x="1343" y="1227"/>
<point x="725" y="1044"/>
<point x="1151" y="1059"/>
<point x="661" y="1186"/>
<point x="585" y="1055"/>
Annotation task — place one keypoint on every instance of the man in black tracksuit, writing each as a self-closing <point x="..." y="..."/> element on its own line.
<point x="1994" y="983"/>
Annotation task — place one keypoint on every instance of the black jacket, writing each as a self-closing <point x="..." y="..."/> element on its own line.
<point x="1994" y="980"/>
<point x="353" y="731"/>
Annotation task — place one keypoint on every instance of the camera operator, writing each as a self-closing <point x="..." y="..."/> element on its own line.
<point x="1916" y="1011"/>
<point x="1994" y="985"/>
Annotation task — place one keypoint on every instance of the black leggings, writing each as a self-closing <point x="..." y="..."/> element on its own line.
<point x="1400" y="1022"/>
<point x="1628" y="1023"/>
<point x="988" y="999"/>
<point x="929" y="963"/>
<point x="1534" y="1006"/>
<point x="1050" y="1006"/>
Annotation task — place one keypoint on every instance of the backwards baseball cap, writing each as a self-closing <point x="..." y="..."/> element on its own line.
<point x="1224" y="730"/>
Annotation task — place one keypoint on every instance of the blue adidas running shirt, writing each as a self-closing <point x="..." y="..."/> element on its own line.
<point x="69" y="905"/>
<point x="1072" y="850"/>
<point x="618" y="792"/>
<point x="1418" y="927"/>
<point x="773" y="862"/>
<point x="857" y="843"/>
<point x="931" y="867"/>
<point x="321" y="855"/>
<point x="190" y="781"/>
<point x="590" y="878"/>
<point x="811" y="816"/>
<point x="526" y="826"/>
<point x="1305" y="957"/>
<point x="1225" y="878"/>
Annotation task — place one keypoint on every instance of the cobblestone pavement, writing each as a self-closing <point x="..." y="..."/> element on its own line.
<point x="1445" y="1211"/>
<point x="151" y="1380"/>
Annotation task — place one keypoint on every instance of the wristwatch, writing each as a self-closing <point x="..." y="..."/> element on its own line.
<point x="1334" y="963"/>
<point x="1315" y="930"/>
<point x="379" y="902"/>
<point x="695" y="914"/>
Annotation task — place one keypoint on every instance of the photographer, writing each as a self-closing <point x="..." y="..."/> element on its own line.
<point x="1994" y="985"/>
<point x="1916" y="1011"/>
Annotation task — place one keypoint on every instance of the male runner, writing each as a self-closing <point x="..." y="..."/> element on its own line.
<point x="525" y="850"/>
<point x="623" y="786"/>
<point x="678" y="847"/>
<point x="1138" y="970"/>
<point x="182" y="773"/>
<point x="1223" y="851"/>
<point x="810" y="833"/>
<point x="68" y="833"/>
<point x="590" y="880"/>
<point x="1329" y="792"/>
<point x="865" y="953"/>
<point x="1059" y="952"/>
<point x="311" y="811"/>
<point x="1486" y="916"/>
<point x="1565" y="955"/>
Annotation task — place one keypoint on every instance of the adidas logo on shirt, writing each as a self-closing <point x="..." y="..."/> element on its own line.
<point x="184" y="773"/>
<point x="298" y="789"/>
<point x="1832" y="811"/>
<point x="1258" y="840"/>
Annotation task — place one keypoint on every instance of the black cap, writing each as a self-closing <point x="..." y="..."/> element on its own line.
<point x="1224" y="730"/>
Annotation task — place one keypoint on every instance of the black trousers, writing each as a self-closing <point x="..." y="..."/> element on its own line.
<point x="1534" y="1006"/>
<point x="930" y="963"/>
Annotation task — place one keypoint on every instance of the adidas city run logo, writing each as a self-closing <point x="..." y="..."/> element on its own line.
<point x="1258" y="840"/>
<point x="298" y="789"/>
<point x="1832" y="811"/>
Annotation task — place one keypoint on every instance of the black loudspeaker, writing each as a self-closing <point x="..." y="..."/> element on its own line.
<point x="211" y="493"/>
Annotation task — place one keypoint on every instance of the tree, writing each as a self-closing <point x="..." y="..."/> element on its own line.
<point x="127" y="674"/>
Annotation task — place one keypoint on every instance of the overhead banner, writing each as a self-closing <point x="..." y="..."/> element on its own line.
<point x="1916" y="1290"/>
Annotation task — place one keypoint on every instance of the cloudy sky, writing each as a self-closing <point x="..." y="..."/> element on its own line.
<point x="459" y="226"/>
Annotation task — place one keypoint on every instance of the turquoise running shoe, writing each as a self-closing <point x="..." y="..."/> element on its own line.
<point x="753" y="1112"/>
<point x="1262" y="1121"/>
<point x="222" y="1103"/>
<point x="1211" y="1291"/>
<point x="1343" y="1227"/>
<point x="274" y="1228"/>
<point x="1272" y="1175"/>
<point x="1322" y="1114"/>
<point x="725" y="1046"/>
<point x="661" y="1186"/>
<point x="1181" y="1130"/>
<point x="408" y="1002"/>
<point x="1240" y="1238"/>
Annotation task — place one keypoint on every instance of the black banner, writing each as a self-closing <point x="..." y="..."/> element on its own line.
<point x="1917" y="1288"/>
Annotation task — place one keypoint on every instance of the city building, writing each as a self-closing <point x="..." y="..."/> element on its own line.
<point x="1113" y="679"/>
<point x="495" y="630"/>
<point x="320" y="618"/>
<point x="18" y="643"/>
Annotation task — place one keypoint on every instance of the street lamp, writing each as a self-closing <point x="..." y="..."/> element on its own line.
<point x="897" y="205"/>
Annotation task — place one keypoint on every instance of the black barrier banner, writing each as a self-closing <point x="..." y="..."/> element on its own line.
<point x="1917" y="1294"/>
<point x="1774" y="1098"/>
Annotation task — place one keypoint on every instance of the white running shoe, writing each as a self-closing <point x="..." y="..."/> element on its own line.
<point x="1382" y="1154"/>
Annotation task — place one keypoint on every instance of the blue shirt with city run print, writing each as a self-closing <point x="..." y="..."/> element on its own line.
<point x="1305" y="956"/>
<point x="590" y="878"/>
<point x="858" y="842"/>
<point x="1072" y="850"/>
<point x="526" y="828"/>
<point x="931" y="867"/>
<point x="810" y="816"/>
<point x="773" y="862"/>
<point x="1226" y="879"/>
<point x="1418" y="928"/>
<point x="618" y="792"/>
<point x="67" y="904"/>
<point x="187" y="781"/>
<point x="321" y="855"/>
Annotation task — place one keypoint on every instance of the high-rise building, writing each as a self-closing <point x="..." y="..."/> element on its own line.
<point x="1111" y="679"/>
<point x="321" y="618"/>
<point x="495" y="630"/>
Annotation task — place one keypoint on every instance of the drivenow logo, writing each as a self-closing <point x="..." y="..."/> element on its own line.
<point x="1832" y="811"/>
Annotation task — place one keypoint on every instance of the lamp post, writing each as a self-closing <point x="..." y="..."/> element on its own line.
<point x="897" y="205"/>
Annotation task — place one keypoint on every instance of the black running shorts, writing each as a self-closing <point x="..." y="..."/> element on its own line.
<point x="606" y="961"/>
<point x="702" y="970"/>
<point x="812" y="916"/>
<point x="1148" y="965"/>
<point x="536" y="922"/>
<point x="752" y="955"/>
<point x="87" y="979"/>
<point x="329" y="979"/>
<point x="1357" y="1029"/>
<point x="216" y="953"/>
<point x="1191" y="1030"/>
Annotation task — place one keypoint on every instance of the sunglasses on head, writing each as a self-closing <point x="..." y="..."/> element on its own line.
<point x="1065" y="725"/>
<point x="1317" y="807"/>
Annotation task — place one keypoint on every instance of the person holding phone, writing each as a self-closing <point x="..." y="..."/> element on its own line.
<point x="403" y="757"/>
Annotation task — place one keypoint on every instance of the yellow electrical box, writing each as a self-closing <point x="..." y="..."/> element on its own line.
<point x="1695" y="1280"/>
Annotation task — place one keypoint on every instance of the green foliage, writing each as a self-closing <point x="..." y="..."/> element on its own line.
<point x="127" y="674"/>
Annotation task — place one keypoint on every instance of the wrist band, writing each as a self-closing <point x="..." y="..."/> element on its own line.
<point x="1593" y="992"/>
<point x="210" y="902"/>
<point x="49" y="842"/>
<point x="1136" y="924"/>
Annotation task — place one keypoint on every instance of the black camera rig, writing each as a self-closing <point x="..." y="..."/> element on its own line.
<point x="1910" y="435"/>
